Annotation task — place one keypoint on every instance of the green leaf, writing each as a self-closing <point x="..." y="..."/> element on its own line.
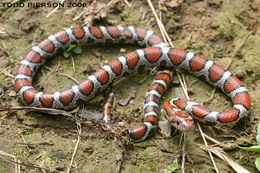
<point x="258" y="134"/>
<point x="257" y="163"/>
<point x="171" y="168"/>
<point x="66" y="54"/>
<point x="255" y="148"/>
<point x="77" y="50"/>
<point x="71" y="47"/>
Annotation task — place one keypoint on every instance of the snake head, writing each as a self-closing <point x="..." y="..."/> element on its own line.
<point x="177" y="117"/>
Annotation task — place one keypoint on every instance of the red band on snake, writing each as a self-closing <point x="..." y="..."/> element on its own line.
<point x="178" y="118"/>
<point x="157" y="54"/>
<point x="107" y="119"/>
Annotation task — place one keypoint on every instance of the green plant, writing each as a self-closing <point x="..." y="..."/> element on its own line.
<point x="172" y="167"/>
<point x="255" y="148"/>
<point x="73" y="48"/>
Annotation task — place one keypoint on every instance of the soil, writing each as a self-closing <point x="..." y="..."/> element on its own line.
<point x="212" y="28"/>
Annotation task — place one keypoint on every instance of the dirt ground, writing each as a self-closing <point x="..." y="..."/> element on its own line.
<point x="212" y="28"/>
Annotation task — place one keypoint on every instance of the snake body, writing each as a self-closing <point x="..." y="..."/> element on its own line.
<point x="177" y="117"/>
<point x="157" y="53"/>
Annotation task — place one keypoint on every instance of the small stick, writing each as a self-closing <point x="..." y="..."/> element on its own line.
<point x="121" y="158"/>
<point x="70" y="77"/>
<point x="37" y="143"/>
<point x="25" y="142"/>
<point x="183" y="154"/>
<point x="16" y="166"/>
<point x="160" y="24"/>
<point x="24" y="164"/>
<point x="211" y="97"/>
<point x="127" y="3"/>
<point x="76" y="146"/>
<point x="237" y="50"/>
<point x="3" y="43"/>
<point x="73" y="63"/>
<point x="144" y="79"/>
<point x="212" y="140"/>
<point x="183" y="86"/>
<point x="6" y="73"/>
<point x="45" y="110"/>
<point x="157" y="19"/>
<point x="205" y="142"/>
<point x="55" y="9"/>
<point x="78" y="16"/>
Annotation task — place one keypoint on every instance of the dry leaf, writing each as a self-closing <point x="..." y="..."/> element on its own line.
<point x="97" y="10"/>
<point x="220" y="153"/>
<point x="12" y="94"/>
<point x="173" y="3"/>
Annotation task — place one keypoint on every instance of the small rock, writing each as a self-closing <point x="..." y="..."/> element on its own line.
<point x="165" y="128"/>
<point x="60" y="167"/>
<point x="12" y="94"/>
<point x="121" y="124"/>
<point x="118" y="157"/>
<point x="92" y="115"/>
<point x="122" y="50"/>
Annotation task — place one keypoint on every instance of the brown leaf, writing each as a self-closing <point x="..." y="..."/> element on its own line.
<point x="220" y="153"/>
<point x="97" y="10"/>
<point x="173" y="3"/>
<point x="12" y="94"/>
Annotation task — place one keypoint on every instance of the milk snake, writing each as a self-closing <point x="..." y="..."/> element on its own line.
<point x="178" y="118"/>
<point x="157" y="54"/>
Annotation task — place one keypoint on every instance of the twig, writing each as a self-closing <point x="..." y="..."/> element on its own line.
<point x="127" y="3"/>
<point x="111" y="3"/>
<point x="166" y="37"/>
<point x="55" y="9"/>
<point x="25" y="142"/>
<point x="3" y="44"/>
<point x="36" y="143"/>
<point x="16" y="165"/>
<point x="211" y="97"/>
<point x="73" y="64"/>
<point x="42" y="169"/>
<point x="45" y="110"/>
<point x="183" y="86"/>
<point x="120" y="159"/>
<point x="205" y="142"/>
<point x="183" y="154"/>
<point x="70" y="77"/>
<point x="225" y="146"/>
<point x="24" y="164"/>
<point x="189" y="158"/>
<point x="157" y="19"/>
<point x="82" y="135"/>
<point x="237" y="50"/>
<point x="221" y="154"/>
<point x="79" y="15"/>
<point x="144" y="79"/>
<point x="76" y="146"/>
<point x="6" y="73"/>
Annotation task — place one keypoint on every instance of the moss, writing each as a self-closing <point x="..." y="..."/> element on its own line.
<point x="46" y="161"/>
<point x="197" y="46"/>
